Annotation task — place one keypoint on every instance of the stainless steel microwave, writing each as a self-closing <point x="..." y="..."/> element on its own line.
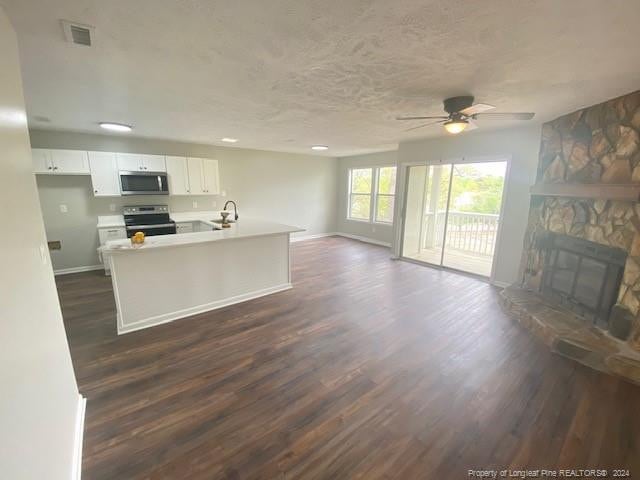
<point x="144" y="183"/>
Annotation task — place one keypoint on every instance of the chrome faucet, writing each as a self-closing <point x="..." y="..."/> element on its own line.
<point x="235" y="208"/>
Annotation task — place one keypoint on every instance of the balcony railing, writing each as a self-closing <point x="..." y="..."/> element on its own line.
<point x="468" y="232"/>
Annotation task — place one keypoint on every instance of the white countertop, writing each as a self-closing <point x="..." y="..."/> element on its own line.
<point x="112" y="221"/>
<point x="245" y="227"/>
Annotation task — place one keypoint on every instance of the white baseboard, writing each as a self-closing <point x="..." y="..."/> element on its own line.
<point x="500" y="284"/>
<point x="188" y="312"/>
<point x="302" y="238"/>
<point x="76" y="472"/>
<point x="364" y="239"/>
<point x="87" y="268"/>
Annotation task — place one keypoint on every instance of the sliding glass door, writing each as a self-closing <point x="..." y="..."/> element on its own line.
<point x="452" y="214"/>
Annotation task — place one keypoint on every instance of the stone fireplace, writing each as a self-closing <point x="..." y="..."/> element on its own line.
<point x="579" y="289"/>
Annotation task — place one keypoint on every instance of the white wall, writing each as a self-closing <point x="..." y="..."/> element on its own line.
<point x="522" y="145"/>
<point x="295" y="189"/>
<point x="38" y="393"/>
<point x="375" y="231"/>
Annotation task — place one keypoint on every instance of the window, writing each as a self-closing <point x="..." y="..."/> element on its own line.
<point x="360" y="193"/>
<point x="385" y="194"/>
<point x="372" y="194"/>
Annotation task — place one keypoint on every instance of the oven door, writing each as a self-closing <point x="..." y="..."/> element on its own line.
<point x="152" y="230"/>
<point x="144" y="183"/>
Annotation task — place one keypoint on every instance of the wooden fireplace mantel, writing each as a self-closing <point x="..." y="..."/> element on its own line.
<point x="605" y="191"/>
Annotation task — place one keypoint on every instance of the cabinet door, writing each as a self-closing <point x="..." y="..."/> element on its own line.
<point x="104" y="174"/>
<point x="115" y="233"/>
<point x="196" y="182"/>
<point x="178" y="175"/>
<point x="153" y="163"/>
<point x="70" y="162"/>
<point x="210" y="176"/>
<point x="41" y="159"/>
<point x="184" y="227"/>
<point x="129" y="162"/>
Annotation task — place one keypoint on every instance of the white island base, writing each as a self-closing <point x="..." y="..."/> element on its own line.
<point x="187" y="274"/>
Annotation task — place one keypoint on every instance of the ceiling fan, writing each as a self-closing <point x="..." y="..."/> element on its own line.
<point x="461" y="115"/>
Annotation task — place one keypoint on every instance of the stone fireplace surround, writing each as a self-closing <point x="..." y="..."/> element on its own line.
<point x="588" y="187"/>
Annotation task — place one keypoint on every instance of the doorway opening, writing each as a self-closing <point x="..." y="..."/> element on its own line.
<point x="452" y="214"/>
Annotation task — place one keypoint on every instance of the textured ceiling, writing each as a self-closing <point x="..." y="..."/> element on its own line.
<point x="286" y="74"/>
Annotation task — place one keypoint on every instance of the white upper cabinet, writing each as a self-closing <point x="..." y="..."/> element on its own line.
<point x="41" y="160"/>
<point x="210" y="176"/>
<point x="129" y="162"/>
<point x="104" y="174"/>
<point x="187" y="175"/>
<point x="133" y="162"/>
<point x="68" y="162"/>
<point x="196" y="184"/>
<point x="154" y="163"/>
<point x="203" y="176"/>
<point x="60" y="162"/>
<point x="178" y="175"/>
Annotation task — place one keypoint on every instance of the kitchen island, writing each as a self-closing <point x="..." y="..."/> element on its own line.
<point x="175" y="276"/>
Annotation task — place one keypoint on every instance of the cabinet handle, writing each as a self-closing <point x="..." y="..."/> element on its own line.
<point x="55" y="168"/>
<point x="49" y="168"/>
<point x="112" y="231"/>
<point x="95" y="191"/>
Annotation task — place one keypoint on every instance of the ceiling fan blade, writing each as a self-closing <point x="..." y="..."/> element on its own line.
<point x="513" y="115"/>
<point x="439" y="117"/>
<point x="477" y="108"/>
<point x="426" y="125"/>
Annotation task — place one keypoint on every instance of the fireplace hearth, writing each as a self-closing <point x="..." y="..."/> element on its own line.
<point x="581" y="275"/>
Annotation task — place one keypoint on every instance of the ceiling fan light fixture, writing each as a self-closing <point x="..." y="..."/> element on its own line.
<point x="455" y="126"/>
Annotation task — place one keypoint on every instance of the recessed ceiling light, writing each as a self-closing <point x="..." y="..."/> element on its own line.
<point x="319" y="147"/>
<point x="229" y="140"/>
<point x="116" y="127"/>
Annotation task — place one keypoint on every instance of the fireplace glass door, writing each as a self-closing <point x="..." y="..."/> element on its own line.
<point x="582" y="276"/>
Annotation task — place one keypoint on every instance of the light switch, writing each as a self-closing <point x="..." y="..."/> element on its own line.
<point x="63" y="208"/>
<point x="43" y="254"/>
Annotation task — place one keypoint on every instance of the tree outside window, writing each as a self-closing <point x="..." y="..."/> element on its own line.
<point x="372" y="194"/>
<point x="360" y="193"/>
<point x="385" y="194"/>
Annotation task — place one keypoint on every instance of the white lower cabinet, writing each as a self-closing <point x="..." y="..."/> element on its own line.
<point x="106" y="234"/>
<point x="104" y="174"/>
<point x="185" y="227"/>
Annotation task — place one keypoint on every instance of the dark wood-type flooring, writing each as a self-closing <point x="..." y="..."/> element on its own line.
<point x="368" y="368"/>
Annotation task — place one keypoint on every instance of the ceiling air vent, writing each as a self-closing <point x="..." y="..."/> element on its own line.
<point x="77" y="33"/>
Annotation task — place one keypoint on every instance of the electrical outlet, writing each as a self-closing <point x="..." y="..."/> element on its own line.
<point x="112" y="207"/>
<point x="63" y="208"/>
<point x="373" y="229"/>
<point x="214" y="204"/>
<point x="223" y="193"/>
<point x="195" y="204"/>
